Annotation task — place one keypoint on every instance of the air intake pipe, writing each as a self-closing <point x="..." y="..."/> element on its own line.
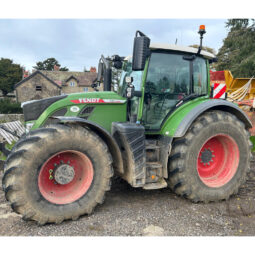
<point x="104" y="73"/>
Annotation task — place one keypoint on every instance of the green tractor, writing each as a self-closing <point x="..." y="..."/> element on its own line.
<point x="161" y="127"/>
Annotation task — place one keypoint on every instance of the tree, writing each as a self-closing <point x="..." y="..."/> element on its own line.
<point x="48" y="65"/>
<point x="10" y="74"/>
<point x="206" y="48"/>
<point x="238" y="51"/>
<point x="85" y="70"/>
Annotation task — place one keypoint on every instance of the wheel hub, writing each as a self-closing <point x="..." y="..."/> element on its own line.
<point x="206" y="156"/>
<point x="65" y="177"/>
<point x="64" y="174"/>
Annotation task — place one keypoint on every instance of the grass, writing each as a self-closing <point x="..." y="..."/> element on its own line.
<point x="252" y="138"/>
<point x="7" y="146"/>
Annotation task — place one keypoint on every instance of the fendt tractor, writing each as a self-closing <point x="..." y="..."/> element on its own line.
<point x="161" y="127"/>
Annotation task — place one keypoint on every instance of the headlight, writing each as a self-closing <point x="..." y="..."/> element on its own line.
<point x="28" y="126"/>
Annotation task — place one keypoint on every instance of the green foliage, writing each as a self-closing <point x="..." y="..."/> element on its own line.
<point x="234" y="24"/>
<point x="206" y="48"/>
<point x="238" y="51"/>
<point x="7" y="106"/>
<point x="10" y="74"/>
<point x="9" y="147"/>
<point x="85" y="70"/>
<point x="48" y="65"/>
<point x="252" y="138"/>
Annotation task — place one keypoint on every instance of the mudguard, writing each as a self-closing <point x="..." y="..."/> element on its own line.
<point x="104" y="134"/>
<point x="215" y="104"/>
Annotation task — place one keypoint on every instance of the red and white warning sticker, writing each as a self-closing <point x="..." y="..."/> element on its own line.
<point x="97" y="101"/>
<point x="219" y="90"/>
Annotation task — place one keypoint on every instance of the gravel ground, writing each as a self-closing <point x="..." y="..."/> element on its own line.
<point x="137" y="212"/>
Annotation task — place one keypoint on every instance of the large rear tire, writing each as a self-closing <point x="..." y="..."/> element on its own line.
<point x="211" y="161"/>
<point x="57" y="173"/>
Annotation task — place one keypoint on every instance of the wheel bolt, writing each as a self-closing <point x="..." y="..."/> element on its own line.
<point x="51" y="176"/>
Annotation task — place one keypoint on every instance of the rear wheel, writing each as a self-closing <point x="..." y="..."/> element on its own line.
<point x="211" y="161"/>
<point x="57" y="173"/>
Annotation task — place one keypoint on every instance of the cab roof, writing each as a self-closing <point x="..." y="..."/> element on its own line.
<point x="162" y="46"/>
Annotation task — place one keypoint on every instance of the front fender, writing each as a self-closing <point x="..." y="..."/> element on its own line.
<point x="104" y="134"/>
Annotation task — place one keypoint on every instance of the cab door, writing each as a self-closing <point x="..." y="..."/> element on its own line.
<point x="168" y="81"/>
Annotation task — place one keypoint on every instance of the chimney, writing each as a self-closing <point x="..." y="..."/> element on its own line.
<point x="25" y="74"/>
<point x="93" y="69"/>
<point x="56" y="67"/>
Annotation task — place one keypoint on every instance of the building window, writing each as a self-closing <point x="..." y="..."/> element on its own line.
<point x="72" y="83"/>
<point x="38" y="88"/>
<point x="85" y="89"/>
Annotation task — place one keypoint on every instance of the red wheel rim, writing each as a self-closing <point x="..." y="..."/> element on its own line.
<point x="218" y="160"/>
<point x="82" y="177"/>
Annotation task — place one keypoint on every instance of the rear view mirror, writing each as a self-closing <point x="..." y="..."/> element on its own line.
<point x="140" y="51"/>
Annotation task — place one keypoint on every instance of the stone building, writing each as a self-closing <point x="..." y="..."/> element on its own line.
<point x="42" y="84"/>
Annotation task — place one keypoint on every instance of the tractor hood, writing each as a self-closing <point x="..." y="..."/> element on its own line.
<point x="33" y="109"/>
<point x="102" y="108"/>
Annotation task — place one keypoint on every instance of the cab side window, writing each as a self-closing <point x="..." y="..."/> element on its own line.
<point x="200" y="76"/>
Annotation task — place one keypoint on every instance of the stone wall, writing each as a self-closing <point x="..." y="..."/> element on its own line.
<point x="29" y="90"/>
<point x="11" y="117"/>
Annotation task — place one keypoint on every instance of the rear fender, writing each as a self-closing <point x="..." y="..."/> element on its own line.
<point x="104" y="134"/>
<point x="214" y="104"/>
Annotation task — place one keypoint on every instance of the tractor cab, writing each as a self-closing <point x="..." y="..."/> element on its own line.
<point x="169" y="76"/>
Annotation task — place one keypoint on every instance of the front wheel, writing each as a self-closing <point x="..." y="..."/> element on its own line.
<point x="211" y="161"/>
<point x="57" y="173"/>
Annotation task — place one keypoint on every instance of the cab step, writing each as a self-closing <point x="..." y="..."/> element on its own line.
<point x="160" y="184"/>
<point x="153" y="165"/>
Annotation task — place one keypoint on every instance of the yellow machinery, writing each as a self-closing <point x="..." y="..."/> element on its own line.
<point x="239" y="90"/>
<point x="242" y="92"/>
<point x="233" y="84"/>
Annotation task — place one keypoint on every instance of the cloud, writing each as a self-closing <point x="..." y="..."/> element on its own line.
<point x="77" y="43"/>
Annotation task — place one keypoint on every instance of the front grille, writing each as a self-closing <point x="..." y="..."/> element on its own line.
<point x="33" y="110"/>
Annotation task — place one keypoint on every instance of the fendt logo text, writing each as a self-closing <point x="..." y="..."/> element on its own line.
<point x="90" y="100"/>
<point x="97" y="100"/>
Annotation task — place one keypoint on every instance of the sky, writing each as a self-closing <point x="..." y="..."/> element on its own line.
<point x="79" y="43"/>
